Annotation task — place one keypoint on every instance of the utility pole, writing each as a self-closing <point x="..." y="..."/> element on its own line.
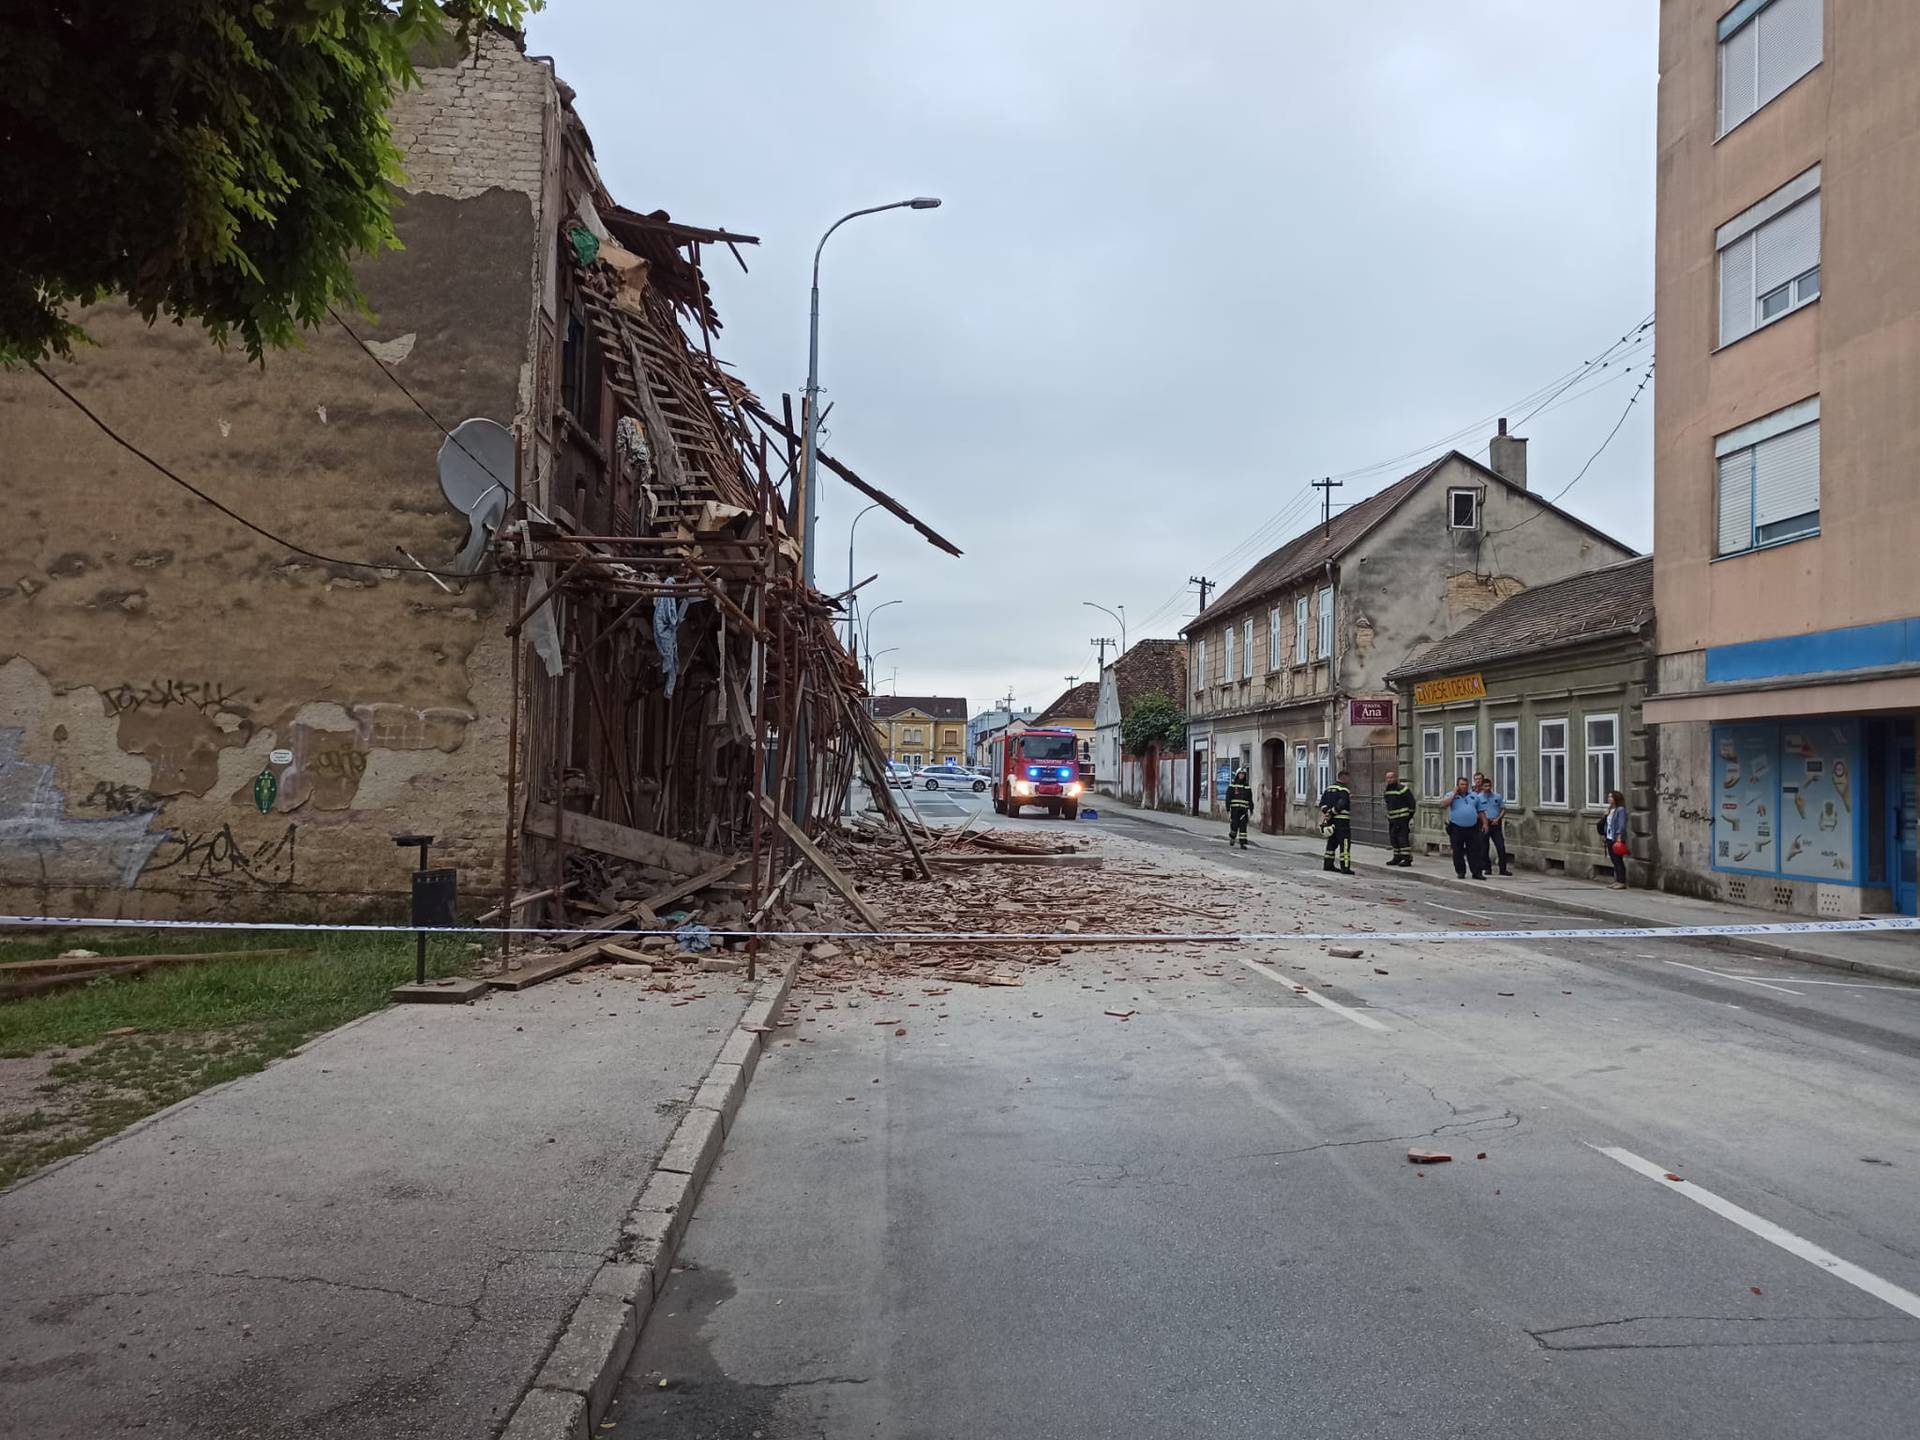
<point x="1102" y="641"/>
<point x="1206" y="586"/>
<point x="1328" y="486"/>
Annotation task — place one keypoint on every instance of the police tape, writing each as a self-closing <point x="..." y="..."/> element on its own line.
<point x="1879" y="924"/>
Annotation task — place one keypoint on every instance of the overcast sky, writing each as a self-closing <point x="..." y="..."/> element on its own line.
<point x="1190" y="258"/>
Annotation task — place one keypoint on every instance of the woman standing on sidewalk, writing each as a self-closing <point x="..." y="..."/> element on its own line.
<point x="1614" y="829"/>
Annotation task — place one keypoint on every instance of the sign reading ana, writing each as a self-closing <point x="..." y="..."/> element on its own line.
<point x="1453" y="687"/>
<point x="1370" y="712"/>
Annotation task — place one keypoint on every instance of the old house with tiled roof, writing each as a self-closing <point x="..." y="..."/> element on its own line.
<point x="1543" y="693"/>
<point x="1073" y="710"/>
<point x="1150" y="667"/>
<point x="1289" y="665"/>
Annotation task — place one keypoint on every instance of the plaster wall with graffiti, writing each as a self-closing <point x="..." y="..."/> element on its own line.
<point x="197" y="720"/>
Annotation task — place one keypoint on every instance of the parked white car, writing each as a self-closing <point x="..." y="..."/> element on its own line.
<point x="949" y="777"/>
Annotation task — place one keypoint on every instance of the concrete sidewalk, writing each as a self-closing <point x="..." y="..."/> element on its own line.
<point x="380" y="1236"/>
<point x="1894" y="956"/>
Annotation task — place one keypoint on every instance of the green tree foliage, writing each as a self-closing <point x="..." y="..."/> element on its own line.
<point x="222" y="161"/>
<point x="1154" y="720"/>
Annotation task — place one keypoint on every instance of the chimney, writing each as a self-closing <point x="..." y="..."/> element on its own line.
<point x="1507" y="457"/>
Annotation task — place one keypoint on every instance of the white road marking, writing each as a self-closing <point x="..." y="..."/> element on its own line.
<point x="1482" y="914"/>
<point x="1365" y="1022"/>
<point x="1843" y="984"/>
<point x="1722" y="974"/>
<point x="1773" y="1234"/>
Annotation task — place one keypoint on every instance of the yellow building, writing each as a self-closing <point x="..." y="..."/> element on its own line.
<point x="1073" y="711"/>
<point x="921" y="729"/>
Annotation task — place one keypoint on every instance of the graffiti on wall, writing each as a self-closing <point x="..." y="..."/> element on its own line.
<point x="40" y="843"/>
<point x="221" y="858"/>
<point x="206" y="696"/>
<point x="121" y="799"/>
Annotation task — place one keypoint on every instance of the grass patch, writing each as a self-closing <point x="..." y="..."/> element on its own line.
<point x="198" y="1025"/>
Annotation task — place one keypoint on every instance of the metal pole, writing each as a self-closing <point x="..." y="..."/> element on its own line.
<point x="853" y="634"/>
<point x="810" y="431"/>
<point x="1120" y="618"/>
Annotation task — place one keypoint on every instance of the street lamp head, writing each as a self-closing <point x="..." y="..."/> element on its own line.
<point x="923" y="202"/>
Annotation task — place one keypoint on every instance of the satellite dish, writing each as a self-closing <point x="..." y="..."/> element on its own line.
<point x="476" y="476"/>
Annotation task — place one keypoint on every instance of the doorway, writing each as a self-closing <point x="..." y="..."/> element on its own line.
<point x="1906" y="824"/>
<point x="1202" y="778"/>
<point x="1273" y="803"/>
<point x="1367" y="767"/>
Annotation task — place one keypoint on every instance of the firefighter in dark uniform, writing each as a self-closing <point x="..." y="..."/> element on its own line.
<point x="1336" y="813"/>
<point x="1399" y="800"/>
<point x="1239" y="809"/>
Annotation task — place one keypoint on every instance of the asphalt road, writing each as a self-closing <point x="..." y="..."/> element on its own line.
<point x="1026" y="1217"/>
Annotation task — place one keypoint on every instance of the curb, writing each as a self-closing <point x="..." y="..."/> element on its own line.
<point x="1736" y="944"/>
<point x="577" y="1377"/>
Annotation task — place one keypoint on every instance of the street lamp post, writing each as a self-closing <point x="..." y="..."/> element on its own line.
<point x="1121" y="618"/>
<point x="853" y="634"/>
<point x="866" y="640"/>
<point x="807" y="506"/>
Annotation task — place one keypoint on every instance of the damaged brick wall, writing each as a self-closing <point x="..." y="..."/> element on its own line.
<point x="155" y="656"/>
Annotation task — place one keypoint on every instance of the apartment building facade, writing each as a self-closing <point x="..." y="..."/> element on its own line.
<point x="1289" y="667"/>
<point x="1787" y="451"/>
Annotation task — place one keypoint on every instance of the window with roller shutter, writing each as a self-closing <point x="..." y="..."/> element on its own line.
<point x="1768" y="485"/>
<point x="1765" y="45"/>
<point x="1770" y="258"/>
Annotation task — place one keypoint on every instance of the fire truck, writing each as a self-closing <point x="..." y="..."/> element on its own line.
<point x="1037" y="767"/>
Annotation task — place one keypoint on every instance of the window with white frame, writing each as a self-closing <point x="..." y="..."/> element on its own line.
<point x="1433" y="763"/>
<point x="1302" y="776"/>
<point x="1506" y="759"/>
<point x="1553" y="763"/>
<point x="1769" y="257"/>
<point x="1326" y="622"/>
<point x="1199" y="664"/>
<point x="1768" y="479"/>
<point x="1765" y="45"/>
<point x="1273" y="638"/>
<point x="1463" y="751"/>
<point x="1322" y="761"/>
<point x="1226" y="641"/>
<point x="1300" y="630"/>
<point x="1463" y="509"/>
<point x="1246" y="649"/>
<point x="1603" y="758"/>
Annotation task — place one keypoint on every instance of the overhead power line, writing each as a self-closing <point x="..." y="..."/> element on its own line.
<point x="221" y="506"/>
<point x="1614" y="358"/>
<point x="1632" y="400"/>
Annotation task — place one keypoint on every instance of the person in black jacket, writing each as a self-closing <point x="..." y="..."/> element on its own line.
<point x="1400" y="807"/>
<point x="1239" y="808"/>
<point x="1336" y="812"/>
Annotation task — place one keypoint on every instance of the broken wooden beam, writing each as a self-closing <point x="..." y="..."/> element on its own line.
<point x="657" y="901"/>
<point x="623" y="842"/>
<point x="520" y="902"/>
<point x="829" y="871"/>
<point x="61" y="964"/>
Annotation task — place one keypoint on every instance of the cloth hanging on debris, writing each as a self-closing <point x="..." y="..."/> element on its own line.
<point x="586" y="248"/>
<point x="668" y="612"/>
<point x="543" y="628"/>
<point x="631" y="442"/>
